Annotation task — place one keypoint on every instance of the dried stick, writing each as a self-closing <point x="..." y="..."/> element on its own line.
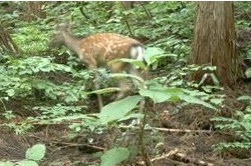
<point x="183" y="157"/>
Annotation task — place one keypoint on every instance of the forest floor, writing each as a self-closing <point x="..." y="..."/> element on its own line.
<point x="187" y="139"/>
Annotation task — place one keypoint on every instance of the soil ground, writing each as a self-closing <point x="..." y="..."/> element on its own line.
<point x="178" y="147"/>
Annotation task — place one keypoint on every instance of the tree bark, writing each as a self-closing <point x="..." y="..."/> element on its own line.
<point x="6" y="42"/>
<point x="214" y="41"/>
<point x="34" y="10"/>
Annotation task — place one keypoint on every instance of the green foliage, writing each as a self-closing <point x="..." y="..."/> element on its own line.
<point x="118" y="109"/>
<point x="239" y="125"/>
<point x="22" y="76"/>
<point x="36" y="152"/>
<point x="7" y="163"/>
<point x="160" y="94"/>
<point x="114" y="156"/>
<point x="31" y="39"/>
<point x="33" y="155"/>
<point x="154" y="54"/>
<point x="57" y="89"/>
<point x="20" y="128"/>
<point x="57" y="111"/>
<point x="248" y="73"/>
<point x="33" y="65"/>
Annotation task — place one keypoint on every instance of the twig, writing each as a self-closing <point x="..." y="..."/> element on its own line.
<point x="170" y="153"/>
<point x="69" y="144"/>
<point x="169" y="130"/>
<point x="75" y="144"/>
<point x="124" y="127"/>
<point x="148" y="13"/>
<point x="86" y="16"/>
<point x="128" y="26"/>
<point x="142" y="145"/>
<point x="183" y="157"/>
<point x="183" y="130"/>
<point x="4" y="107"/>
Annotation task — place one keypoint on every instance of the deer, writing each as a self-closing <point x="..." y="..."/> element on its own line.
<point x="96" y="50"/>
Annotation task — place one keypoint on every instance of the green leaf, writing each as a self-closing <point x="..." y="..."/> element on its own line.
<point x="244" y="98"/>
<point x="7" y="163"/>
<point x="10" y="92"/>
<point x="27" y="163"/>
<point x="216" y="101"/>
<point x="161" y="94"/>
<point x="194" y="100"/>
<point x="248" y="73"/>
<point x="133" y="116"/>
<point x="118" y="109"/>
<point x="114" y="156"/>
<point x="36" y="152"/>
<point x="152" y="54"/>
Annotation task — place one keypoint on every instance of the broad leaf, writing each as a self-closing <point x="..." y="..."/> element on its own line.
<point x="114" y="156"/>
<point x="36" y="152"/>
<point x="118" y="109"/>
<point x="153" y="54"/>
<point x="248" y="73"/>
<point x="27" y="163"/>
<point x="248" y="98"/>
<point x="161" y="94"/>
<point x="194" y="100"/>
<point x="7" y="163"/>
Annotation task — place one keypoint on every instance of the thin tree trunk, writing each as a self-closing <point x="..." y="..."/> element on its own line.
<point x="6" y="42"/>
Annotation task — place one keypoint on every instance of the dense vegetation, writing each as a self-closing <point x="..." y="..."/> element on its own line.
<point x="46" y="92"/>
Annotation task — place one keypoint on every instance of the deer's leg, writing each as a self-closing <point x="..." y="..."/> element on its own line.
<point x="134" y="71"/>
<point x="92" y="66"/>
<point x="97" y="87"/>
<point x="124" y="87"/>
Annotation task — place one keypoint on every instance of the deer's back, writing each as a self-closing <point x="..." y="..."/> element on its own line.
<point x="107" y="46"/>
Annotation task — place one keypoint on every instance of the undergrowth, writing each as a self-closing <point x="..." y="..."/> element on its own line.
<point x="60" y="86"/>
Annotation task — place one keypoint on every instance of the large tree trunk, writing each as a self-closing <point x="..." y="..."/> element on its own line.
<point x="214" y="41"/>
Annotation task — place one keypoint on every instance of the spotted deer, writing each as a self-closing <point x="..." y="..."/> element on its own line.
<point x="98" y="49"/>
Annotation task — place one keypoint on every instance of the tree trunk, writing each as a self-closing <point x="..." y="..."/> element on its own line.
<point x="214" y="41"/>
<point x="6" y="42"/>
<point x="34" y="10"/>
<point x="127" y="4"/>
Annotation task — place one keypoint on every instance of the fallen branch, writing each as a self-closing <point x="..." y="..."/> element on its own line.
<point x="69" y="144"/>
<point x="175" y="155"/>
<point x="183" y="130"/>
<point x="168" y="130"/>
<point x="68" y="122"/>
<point x="182" y="157"/>
<point x="172" y="152"/>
